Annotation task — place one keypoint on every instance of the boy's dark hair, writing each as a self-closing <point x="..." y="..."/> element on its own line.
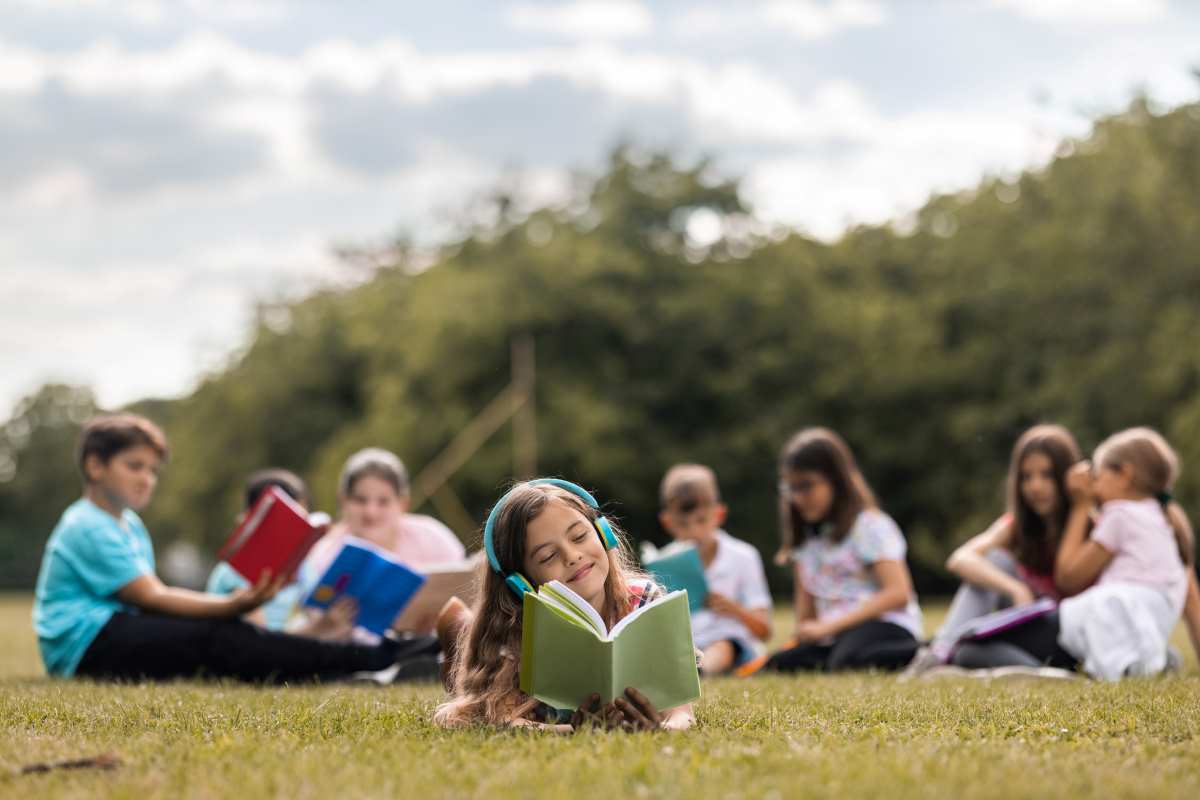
<point x="686" y="487"/>
<point x="288" y="481"/>
<point x="108" y="434"/>
<point x="821" y="450"/>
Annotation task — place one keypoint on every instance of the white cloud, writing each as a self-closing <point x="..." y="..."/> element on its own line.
<point x="582" y="19"/>
<point x="1105" y="12"/>
<point x="807" y="20"/>
<point x="159" y="13"/>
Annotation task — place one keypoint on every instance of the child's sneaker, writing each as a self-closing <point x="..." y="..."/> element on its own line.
<point x="923" y="661"/>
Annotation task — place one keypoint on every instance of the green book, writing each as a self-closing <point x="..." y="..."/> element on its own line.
<point x="567" y="652"/>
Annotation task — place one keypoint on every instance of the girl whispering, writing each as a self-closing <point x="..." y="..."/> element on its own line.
<point x="855" y="605"/>
<point x="1137" y="564"/>
<point x="540" y="531"/>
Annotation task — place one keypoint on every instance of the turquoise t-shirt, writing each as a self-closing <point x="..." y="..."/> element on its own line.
<point x="89" y="557"/>
<point x="224" y="579"/>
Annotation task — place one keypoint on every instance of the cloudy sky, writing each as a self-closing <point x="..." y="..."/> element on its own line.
<point x="163" y="164"/>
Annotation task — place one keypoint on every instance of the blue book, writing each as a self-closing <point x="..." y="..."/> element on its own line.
<point x="379" y="584"/>
<point x="678" y="567"/>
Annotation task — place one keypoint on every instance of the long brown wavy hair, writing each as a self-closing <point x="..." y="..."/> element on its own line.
<point x="1035" y="543"/>
<point x="486" y="672"/>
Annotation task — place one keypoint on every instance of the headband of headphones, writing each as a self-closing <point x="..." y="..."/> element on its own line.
<point x="515" y="580"/>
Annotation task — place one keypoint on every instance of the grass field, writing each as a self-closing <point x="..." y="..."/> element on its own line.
<point x="818" y="736"/>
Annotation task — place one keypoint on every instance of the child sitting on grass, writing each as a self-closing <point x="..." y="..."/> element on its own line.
<point x="1133" y="574"/>
<point x="855" y="605"/>
<point x="335" y="625"/>
<point x="373" y="494"/>
<point x="101" y="612"/>
<point x="1012" y="562"/>
<point x="543" y="530"/>
<point x="735" y="623"/>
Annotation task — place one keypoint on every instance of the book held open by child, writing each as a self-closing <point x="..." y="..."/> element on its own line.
<point x="567" y="652"/>
<point x="379" y="584"/>
<point x="275" y="535"/>
<point x="678" y="567"/>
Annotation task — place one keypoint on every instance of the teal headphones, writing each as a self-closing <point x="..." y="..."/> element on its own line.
<point x="515" y="580"/>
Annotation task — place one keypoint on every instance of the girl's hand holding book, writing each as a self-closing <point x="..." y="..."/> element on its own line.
<point x="636" y="712"/>
<point x="594" y="714"/>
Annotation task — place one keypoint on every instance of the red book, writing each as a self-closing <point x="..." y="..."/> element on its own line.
<point x="275" y="535"/>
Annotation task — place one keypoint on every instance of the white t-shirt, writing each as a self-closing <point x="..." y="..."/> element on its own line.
<point x="838" y="574"/>
<point x="737" y="572"/>
<point x="1144" y="549"/>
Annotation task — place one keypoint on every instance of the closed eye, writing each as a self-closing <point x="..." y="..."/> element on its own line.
<point x="549" y="556"/>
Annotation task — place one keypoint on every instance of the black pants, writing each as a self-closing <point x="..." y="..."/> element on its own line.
<point x="150" y="646"/>
<point x="1039" y="638"/>
<point x="873" y="644"/>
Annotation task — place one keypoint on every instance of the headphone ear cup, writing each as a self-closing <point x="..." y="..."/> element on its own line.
<point x="519" y="584"/>
<point x="606" y="533"/>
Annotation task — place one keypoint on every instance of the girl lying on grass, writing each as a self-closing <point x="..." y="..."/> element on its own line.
<point x="544" y="531"/>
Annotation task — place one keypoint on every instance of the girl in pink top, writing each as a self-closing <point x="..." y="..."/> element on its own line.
<point x="373" y="494"/>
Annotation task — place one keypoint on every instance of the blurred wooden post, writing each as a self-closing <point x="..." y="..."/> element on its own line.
<point x="515" y="402"/>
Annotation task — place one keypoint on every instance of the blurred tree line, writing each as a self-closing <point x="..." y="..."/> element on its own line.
<point x="670" y="324"/>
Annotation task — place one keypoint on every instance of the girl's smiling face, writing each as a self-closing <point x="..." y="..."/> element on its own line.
<point x="561" y="544"/>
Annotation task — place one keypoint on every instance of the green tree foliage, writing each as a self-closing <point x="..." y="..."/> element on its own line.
<point x="38" y="475"/>
<point x="1067" y="294"/>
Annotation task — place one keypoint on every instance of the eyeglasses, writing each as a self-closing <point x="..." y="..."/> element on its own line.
<point x="789" y="489"/>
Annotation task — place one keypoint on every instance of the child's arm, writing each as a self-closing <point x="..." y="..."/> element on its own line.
<point x="149" y="593"/>
<point x="1080" y="560"/>
<point x="1191" y="611"/>
<point x="806" y="608"/>
<point x="969" y="562"/>
<point x="756" y="620"/>
<point x="895" y="587"/>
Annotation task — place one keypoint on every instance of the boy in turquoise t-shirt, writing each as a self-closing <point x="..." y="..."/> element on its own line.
<point x="90" y="555"/>
<point x="101" y="612"/>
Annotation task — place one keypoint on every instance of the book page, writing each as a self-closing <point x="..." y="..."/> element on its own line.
<point x="582" y="607"/>
<point x="629" y="618"/>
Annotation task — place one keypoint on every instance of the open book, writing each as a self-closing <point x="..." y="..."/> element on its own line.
<point x="567" y="652"/>
<point x="276" y="534"/>
<point x="378" y="583"/>
<point x="442" y="581"/>
<point x="678" y="567"/>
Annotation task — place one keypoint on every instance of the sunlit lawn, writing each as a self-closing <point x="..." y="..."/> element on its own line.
<point x="818" y="736"/>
